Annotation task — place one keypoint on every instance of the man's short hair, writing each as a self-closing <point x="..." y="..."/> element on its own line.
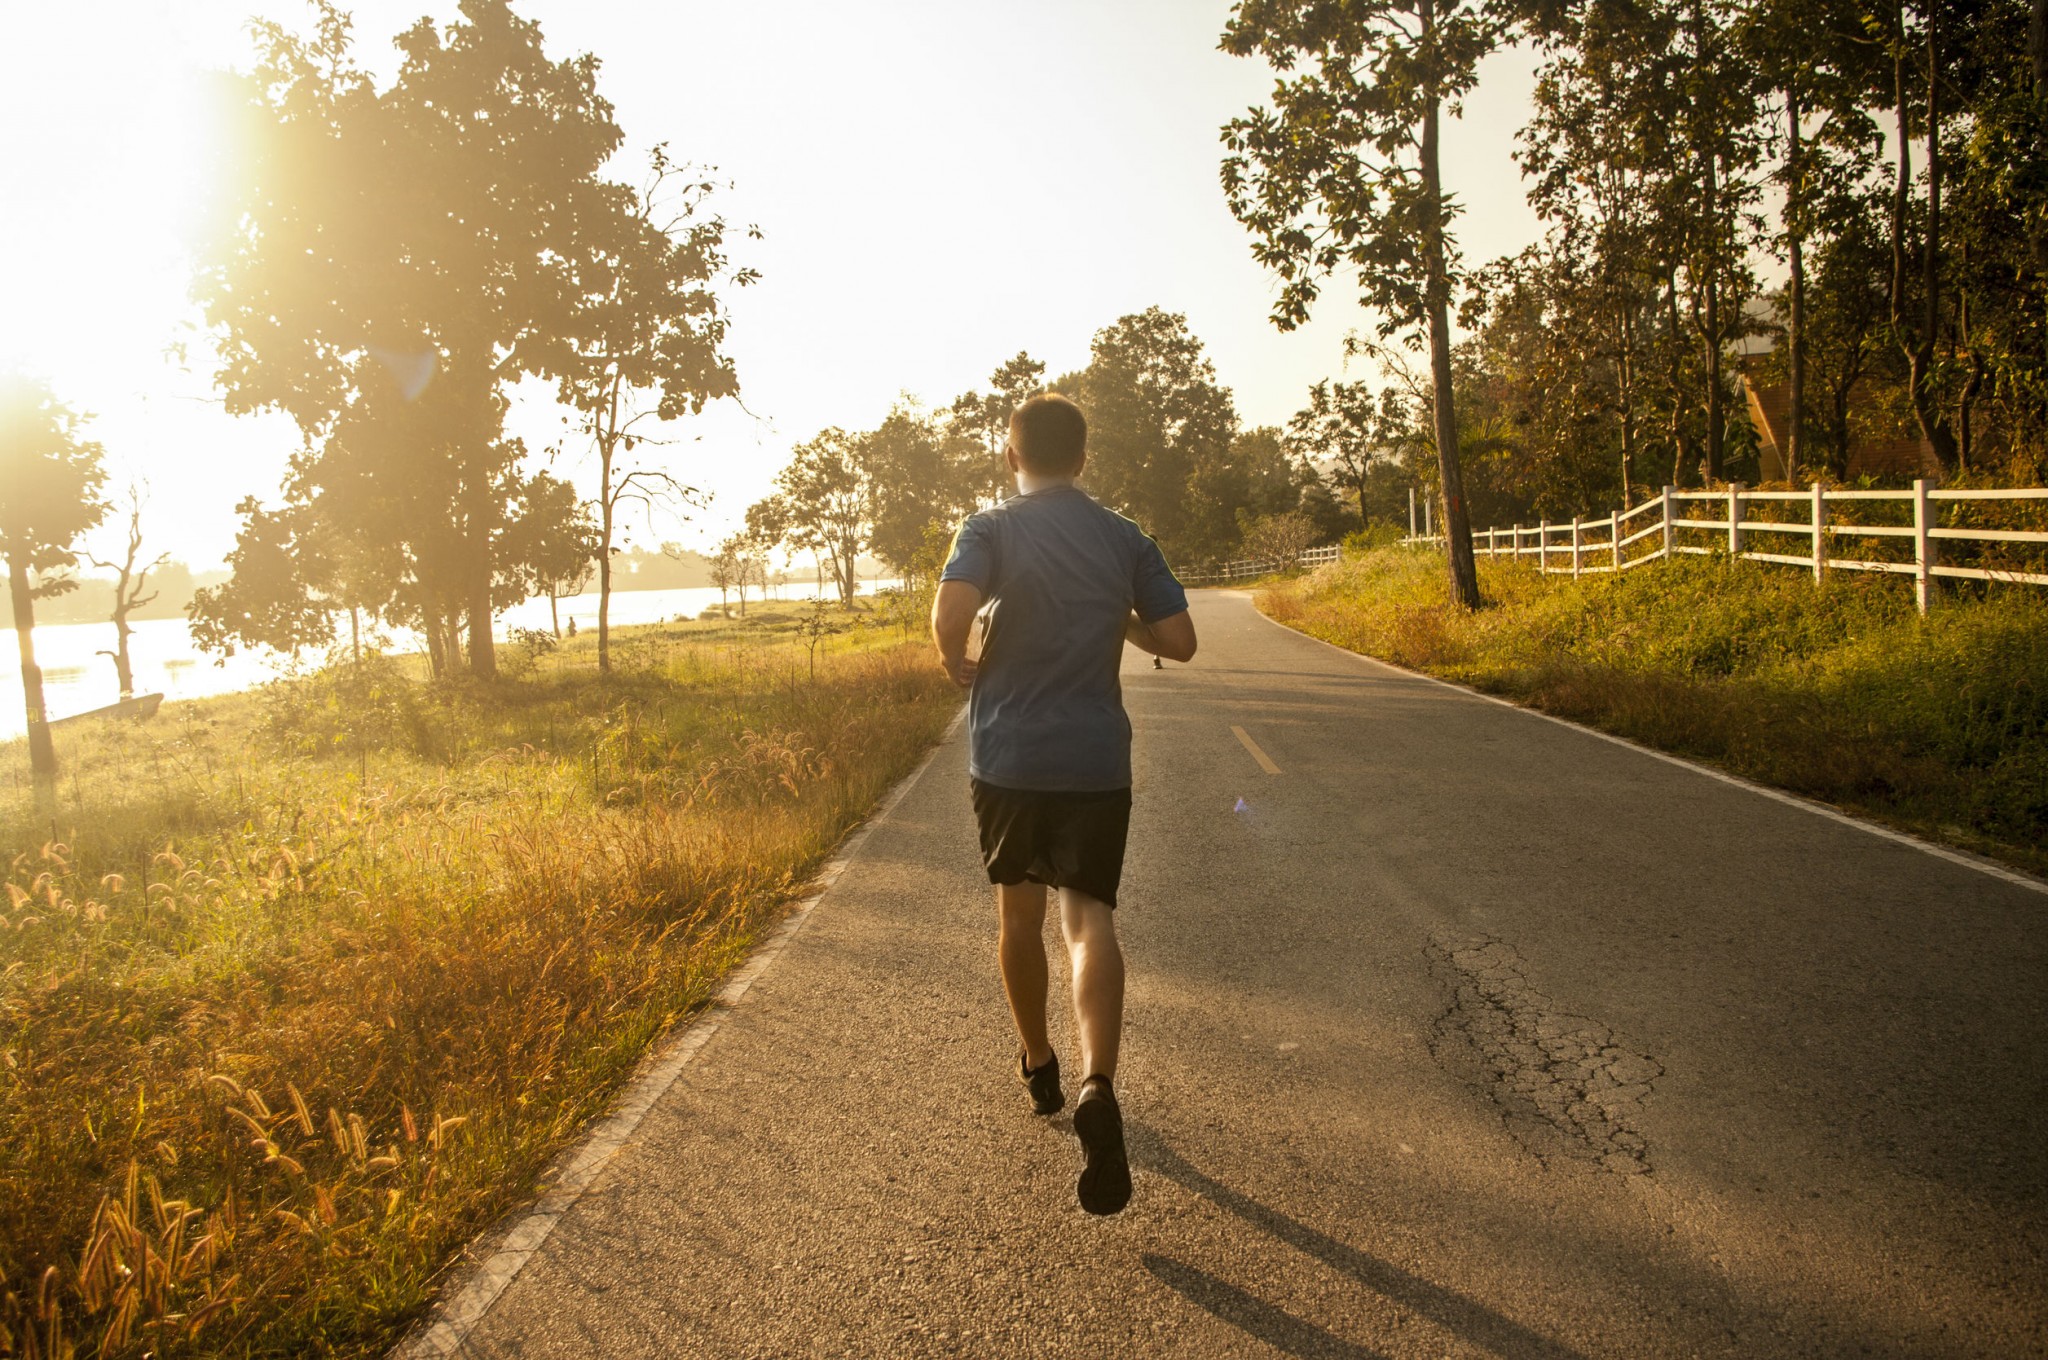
<point x="1050" y="435"/>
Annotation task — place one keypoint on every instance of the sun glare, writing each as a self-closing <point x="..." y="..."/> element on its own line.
<point x="111" y="167"/>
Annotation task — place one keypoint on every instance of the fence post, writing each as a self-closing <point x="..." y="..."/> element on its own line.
<point x="1820" y="536"/>
<point x="1411" y="512"/>
<point x="1575" y="547"/>
<point x="1667" y="521"/>
<point x="1517" y="553"/>
<point x="1543" y="548"/>
<point x="1614" y="522"/>
<point x="1735" y="519"/>
<point x="1923" y="547"/>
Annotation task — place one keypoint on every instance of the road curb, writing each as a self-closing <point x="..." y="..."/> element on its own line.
<point x="1964" y="858"/>
<point x="478" y="1287"/>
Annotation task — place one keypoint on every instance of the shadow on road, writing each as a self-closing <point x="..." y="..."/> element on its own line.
<point x="1254" y="1316"/>
<point x="1469" y="1320"/>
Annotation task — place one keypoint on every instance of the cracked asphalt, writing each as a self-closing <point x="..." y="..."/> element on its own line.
<point x="1466" y="1034"/>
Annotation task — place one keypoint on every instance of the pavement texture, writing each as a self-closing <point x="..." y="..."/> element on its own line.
<point x="1465" y="1034"/>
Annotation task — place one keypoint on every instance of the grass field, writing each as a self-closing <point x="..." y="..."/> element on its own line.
<point x="301" y="989"/>
<point x="1937" y="725"/>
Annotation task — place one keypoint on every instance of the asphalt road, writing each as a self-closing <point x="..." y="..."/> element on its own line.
<point x="1465" y="1034"/>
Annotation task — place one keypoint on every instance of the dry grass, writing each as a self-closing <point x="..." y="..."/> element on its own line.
<point x="306" y="988"/>
<point x="1843" y="693"/>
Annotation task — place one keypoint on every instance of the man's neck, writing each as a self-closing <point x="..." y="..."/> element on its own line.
<point x="1028" y="482"/>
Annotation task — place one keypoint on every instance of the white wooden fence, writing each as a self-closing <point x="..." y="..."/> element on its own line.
<point x="1583" y="546"/>
<point x="1261" y="566"/>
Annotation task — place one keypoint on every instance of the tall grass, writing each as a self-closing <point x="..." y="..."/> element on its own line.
<point x="1841" y="693"/>
<point x="299" y="990"/>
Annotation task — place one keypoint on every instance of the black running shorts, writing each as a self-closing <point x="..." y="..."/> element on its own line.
<point x="1063" y="840"/>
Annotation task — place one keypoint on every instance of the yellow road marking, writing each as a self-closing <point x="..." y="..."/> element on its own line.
<point x="1265" y="761"/>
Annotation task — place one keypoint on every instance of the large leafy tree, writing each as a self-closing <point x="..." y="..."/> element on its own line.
<point x="919" y="481"/>
<point x="644" y="344"/>
<point x="51" y="483"/>
<point x="1156" y="419"/>
<point x="1348" y="432"/>
<point x="428" y="233"/>
<point x="825" y="504"/>
<point x="978" y="423"/>
<point x="1813" y="55"/>
<point x="1344" y="172"/>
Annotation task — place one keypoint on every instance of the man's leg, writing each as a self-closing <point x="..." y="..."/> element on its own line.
<point x="1090" y="928"/>
<point x="1021" y="950"/>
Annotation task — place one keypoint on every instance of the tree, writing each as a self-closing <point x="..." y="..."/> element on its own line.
<point x="738" y="564"/>
<point x="724" y="566"/>
<point x="917" y="483"/>
<point x="645" y="342"/>
<point x="130" y="581"/>
<point x="402" y="255"/>
<point x="825" y="504"/>
<point x="551" y="542"/>
<point x="1279" y="539"/>
<point x="1256" y="475"/>
<point x="50" y="493"/>
<point x="1342" y="431"/>
<point x="275" y="593"/>
<point x="1156" y="415"/>
<point x="1344" y="170"/>
<point x="978" y="423"/>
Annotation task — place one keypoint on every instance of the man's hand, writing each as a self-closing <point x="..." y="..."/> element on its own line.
<point x="1172" y="637"/>
<point x="953" y="612"/>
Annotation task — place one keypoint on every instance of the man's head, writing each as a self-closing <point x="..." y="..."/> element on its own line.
<point x="1048" y="437"/>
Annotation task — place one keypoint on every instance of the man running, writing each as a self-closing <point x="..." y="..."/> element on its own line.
<point x="1049" y="745"/>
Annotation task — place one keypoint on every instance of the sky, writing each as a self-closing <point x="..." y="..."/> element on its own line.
<point x="938" y="184"/>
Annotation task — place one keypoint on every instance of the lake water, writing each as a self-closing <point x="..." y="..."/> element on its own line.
<point x="76" y="679"/>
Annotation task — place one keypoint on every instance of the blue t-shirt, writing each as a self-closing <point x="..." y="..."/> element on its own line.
<point x="1062" y="575"/>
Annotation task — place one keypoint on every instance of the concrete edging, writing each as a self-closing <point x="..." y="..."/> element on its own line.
<point x="1962" y="857"/>
<point x="477" y="1288"/>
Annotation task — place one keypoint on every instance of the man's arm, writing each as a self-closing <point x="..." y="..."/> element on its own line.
<point x="953" y="614"/>
<point x="1172" y="637"/>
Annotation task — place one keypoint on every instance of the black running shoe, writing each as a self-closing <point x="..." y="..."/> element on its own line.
<point x="1044" y="1085"/>
<point x="1106" y="1171"/>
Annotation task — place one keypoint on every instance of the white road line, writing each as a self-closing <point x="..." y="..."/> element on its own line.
<point x="465" y="1303"/>
<point x="1966" y="860"/>
<point x="1265" y="761"/>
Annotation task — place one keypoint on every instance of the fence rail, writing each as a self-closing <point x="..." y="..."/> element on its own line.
<point x="1588" y="547"/>
<point x="1261" y="566"/>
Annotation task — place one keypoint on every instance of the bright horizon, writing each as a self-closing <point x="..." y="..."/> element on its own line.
<point x="881" y="152"/>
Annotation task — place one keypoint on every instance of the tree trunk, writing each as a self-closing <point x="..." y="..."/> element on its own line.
<point x="1675" y="379"/>
<point x="483" y="656"/>
<point x="1933" y="423"/>
<point x="1902" y="182"/>
<point x="607" y="501"/>
<point x="1795" y="235"/>
<point x="124" y="668"/>
<point x="1464" y="573"/>
<point x="1716" y="417"/>
<point x="1625" y="372"/>
<point x="437" y="652"/>
<point x="42" y="753"/>
<point x="2037" y="47"/>
<point x="554" y="612"/>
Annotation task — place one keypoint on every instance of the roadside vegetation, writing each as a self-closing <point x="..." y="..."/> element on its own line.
<point x="1936" y="725"/>
<point x="301" y="989"/>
